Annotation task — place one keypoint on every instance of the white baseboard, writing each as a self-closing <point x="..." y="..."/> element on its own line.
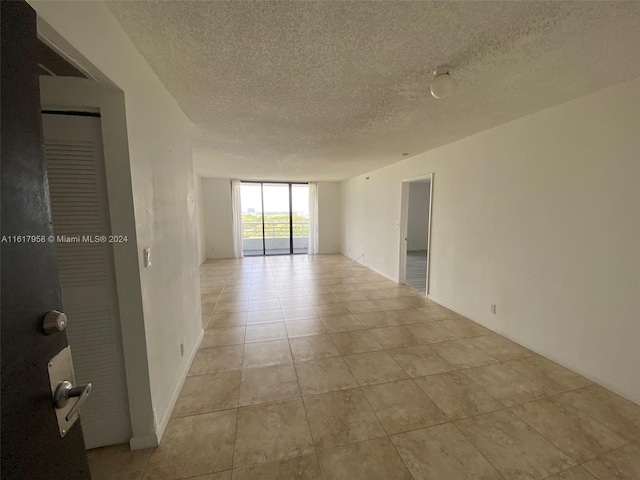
<point x="162" y="425"/>
<point x="540" y="350"/>
<point x="388" y="277"/>
<point x="140" y="443"/>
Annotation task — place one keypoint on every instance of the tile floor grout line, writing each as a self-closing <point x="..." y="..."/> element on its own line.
<point x="270" y="462"/>
<point x="543" y="397"/>
<point x="388" y="436"/>
<point x="577" y="462"/>
<point x="355" y="442"/>
<point x="304" y="406"/>
<point x="146" y="464"/>
<point x="474" y="383"/>
<point x="587" y="387"/>
<point x="235" y="430"/>
<point x="478" y="450"/>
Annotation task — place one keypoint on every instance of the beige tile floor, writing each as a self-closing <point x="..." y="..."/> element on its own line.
<point x="311" y="368"/>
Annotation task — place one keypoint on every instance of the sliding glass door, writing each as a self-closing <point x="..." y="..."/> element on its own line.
<point x="275" y="218"/>
<point x="252" y="219"/>
<point x="300" y="217"/>
<point x="277" y="225"/>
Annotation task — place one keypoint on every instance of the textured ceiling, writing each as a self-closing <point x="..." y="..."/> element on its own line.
<point x="328" y="89"/>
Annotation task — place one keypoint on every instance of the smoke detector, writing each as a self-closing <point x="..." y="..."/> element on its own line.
<point x="442" y="83"/>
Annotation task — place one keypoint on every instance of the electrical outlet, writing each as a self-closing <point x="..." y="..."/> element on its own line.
<point x="493" y="308"/>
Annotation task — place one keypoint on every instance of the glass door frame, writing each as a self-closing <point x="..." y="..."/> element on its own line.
<point x="290" y="185"/>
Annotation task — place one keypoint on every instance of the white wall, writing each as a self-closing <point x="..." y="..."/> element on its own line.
<point x="216" y="195"/>
<point x="200" y="228"/>
<point x="418" y="215"/>
<point x="328" y="217"/>
<point x="541" y="217"/>
<point x="162" y="180"/>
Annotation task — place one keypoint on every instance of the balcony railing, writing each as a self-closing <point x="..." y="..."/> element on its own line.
<point x="274" y="230"/>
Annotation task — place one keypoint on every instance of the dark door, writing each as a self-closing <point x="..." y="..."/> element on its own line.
<point x="31" y="447"/>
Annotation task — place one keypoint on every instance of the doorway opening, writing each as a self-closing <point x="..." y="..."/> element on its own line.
<point x="75" y="164"/>
<point x="275" y="218"/>
<point x="416" y="233"/>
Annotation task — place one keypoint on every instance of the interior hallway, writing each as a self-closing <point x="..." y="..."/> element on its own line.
<point x="312" y="368"/>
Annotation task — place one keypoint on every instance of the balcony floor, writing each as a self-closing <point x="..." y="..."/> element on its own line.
<point x="283" y="251"/>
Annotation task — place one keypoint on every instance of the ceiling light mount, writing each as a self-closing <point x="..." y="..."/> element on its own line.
<point x="442" y="84"/>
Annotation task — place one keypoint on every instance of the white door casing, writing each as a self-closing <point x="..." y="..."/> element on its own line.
<point x="404" y="228"/>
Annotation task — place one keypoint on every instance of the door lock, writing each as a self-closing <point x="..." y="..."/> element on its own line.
<point x="54" y="322"/>
<point x="65" y="391"/>
<point x="61" y="379"/>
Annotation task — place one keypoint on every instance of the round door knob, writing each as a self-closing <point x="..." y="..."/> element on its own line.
<point x="54" y="322"/>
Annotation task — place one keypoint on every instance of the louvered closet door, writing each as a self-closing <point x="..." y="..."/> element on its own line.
<point x="79" y="204"/>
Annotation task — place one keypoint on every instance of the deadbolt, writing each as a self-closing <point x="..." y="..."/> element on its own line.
<point x="54" y="322"/>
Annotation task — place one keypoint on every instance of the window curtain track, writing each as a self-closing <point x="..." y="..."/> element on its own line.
<point x="236" y="221"/>
<point x="313" y="218"/>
